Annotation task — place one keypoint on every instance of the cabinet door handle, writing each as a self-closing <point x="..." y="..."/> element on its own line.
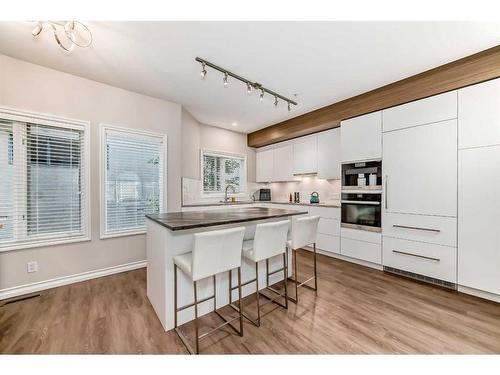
<point x="416" y="228"/>
<point x="386" y="192"/>
<point x="415" y="255"/>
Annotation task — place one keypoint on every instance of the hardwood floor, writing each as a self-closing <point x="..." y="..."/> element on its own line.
<point x="356" y="310"/>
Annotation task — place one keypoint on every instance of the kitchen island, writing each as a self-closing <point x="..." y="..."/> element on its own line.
<point x="171" y="234"/>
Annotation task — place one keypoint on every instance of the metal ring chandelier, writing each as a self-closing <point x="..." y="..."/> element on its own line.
<point x="67" y="34"/>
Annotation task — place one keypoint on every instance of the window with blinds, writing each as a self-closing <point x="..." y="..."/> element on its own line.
<point x="133" y="178"/>
<point x="43" y="182"/>
<point x="221" y="170"/>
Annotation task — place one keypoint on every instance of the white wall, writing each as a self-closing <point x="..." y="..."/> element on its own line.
<point x="196" y="136"/>
<point x="34" y="88"/>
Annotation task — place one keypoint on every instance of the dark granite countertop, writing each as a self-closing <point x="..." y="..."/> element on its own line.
<point x="201" y="219"/>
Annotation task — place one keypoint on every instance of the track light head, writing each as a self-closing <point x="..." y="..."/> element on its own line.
<point x="249" y="89"/>
<point x="261" y="97"/>
<point x="225" y="80"/>
<point x="275" y="101"/>
<point x="289" y="108"/>
<point x="203" y="71"/>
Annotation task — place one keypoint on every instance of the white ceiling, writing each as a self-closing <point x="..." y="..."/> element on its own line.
<point x="321" y="62"/>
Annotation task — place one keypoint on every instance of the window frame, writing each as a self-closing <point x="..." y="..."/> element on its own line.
<point x="223" y="154"/>
<point x="18" y="115"/>
<point x="102" y="177"/>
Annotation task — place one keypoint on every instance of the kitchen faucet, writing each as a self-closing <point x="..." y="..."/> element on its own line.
<point x="225" y="193"/>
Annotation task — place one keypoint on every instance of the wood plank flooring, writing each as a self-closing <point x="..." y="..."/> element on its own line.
<point x="357" y="310"/>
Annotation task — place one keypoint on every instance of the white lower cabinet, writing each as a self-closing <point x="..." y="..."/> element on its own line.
<point x="361" y="244"/>
<point x="436" y="261"/>
<point x="431" y="229"/>
<point x="479" y="218"/>
<point x="328" y="243"/>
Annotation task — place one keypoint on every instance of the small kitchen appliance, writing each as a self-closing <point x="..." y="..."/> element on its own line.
<point x="314" y="197"/>
<point x="265" y="195"/>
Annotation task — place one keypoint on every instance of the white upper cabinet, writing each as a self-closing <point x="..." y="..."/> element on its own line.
<point x="478" y="218"/>
<point x="329" y="157"/>
<point x="479" y="115"/>
<point x="283" y="166"/>
<point x="361" y="137"/>
<point x="420" y="169"/>
<point x="425" y="111"/>
<point x="264" y="165"/>
<point x="305" y="151"/>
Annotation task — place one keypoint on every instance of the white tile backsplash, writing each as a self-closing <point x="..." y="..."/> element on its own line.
<point x="329" y="190"/>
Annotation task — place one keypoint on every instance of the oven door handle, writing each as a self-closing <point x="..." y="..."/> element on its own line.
<point x="371" y="203"/>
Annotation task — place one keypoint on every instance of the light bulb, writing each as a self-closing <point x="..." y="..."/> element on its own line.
<point x="261" y="97"/>
<point x="249" y="89"/>
<point x="225" y="80"/>
<point x="203" y="71"/>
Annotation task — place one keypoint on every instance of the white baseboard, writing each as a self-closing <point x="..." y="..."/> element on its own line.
<point x="347" y="259"/>
<point x="479" y="293"/>
<point x="65" y="280"/>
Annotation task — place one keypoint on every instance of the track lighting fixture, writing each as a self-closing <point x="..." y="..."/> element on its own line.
<point x="289" y="109"/>
<point x="203" y="71"/>
<point x="67" y="34"/>
<point x="250" y="85"/>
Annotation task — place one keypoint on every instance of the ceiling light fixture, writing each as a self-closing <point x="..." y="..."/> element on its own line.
<point x="203" y="72"/>
<point x="67" y="34"/>
<point x="250" y="85"/>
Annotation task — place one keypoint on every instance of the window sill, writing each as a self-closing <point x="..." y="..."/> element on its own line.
<point x="105" y="236"/>
<point x="30" y="245"/>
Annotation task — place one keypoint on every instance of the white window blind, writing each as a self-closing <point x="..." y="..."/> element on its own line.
<point x="220" y="170"/>
<point x="43" y="183"/>
<point x="133" y="177"/>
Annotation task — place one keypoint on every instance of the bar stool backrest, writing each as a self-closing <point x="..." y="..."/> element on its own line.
<point x="270" y="239"/>
<point x="304" y="231"/>
<point x="217" y="251"/>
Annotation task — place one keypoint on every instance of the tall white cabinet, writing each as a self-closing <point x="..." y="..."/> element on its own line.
<point x="420" y="187"/>
<point x="478" y="189"/>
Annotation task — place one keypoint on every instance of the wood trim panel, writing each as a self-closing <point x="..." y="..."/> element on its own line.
<point x="467" y="71"/>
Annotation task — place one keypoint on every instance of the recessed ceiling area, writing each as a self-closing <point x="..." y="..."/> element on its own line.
<point x="319" y="62"/>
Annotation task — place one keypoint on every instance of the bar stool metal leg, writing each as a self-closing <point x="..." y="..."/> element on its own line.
<point x="196" y="327"/>
<point x="295" y="279"/>
<point x="239" y="302"/>
<point x="258" y="293"/>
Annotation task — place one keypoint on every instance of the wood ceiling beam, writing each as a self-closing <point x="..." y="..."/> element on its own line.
<point x="467" y="71"/>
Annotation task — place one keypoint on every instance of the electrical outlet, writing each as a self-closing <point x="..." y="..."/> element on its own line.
<point x="32" y="266"/>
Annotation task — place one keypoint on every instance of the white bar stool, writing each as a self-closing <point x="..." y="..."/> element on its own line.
<point x="303" y="234"/>
<point x="269" y="241"/>
<point x="213" y="253"/>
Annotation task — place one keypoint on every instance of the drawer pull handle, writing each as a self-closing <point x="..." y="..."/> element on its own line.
<point x="415" y="255"/>
<point x="416" y="228"/>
